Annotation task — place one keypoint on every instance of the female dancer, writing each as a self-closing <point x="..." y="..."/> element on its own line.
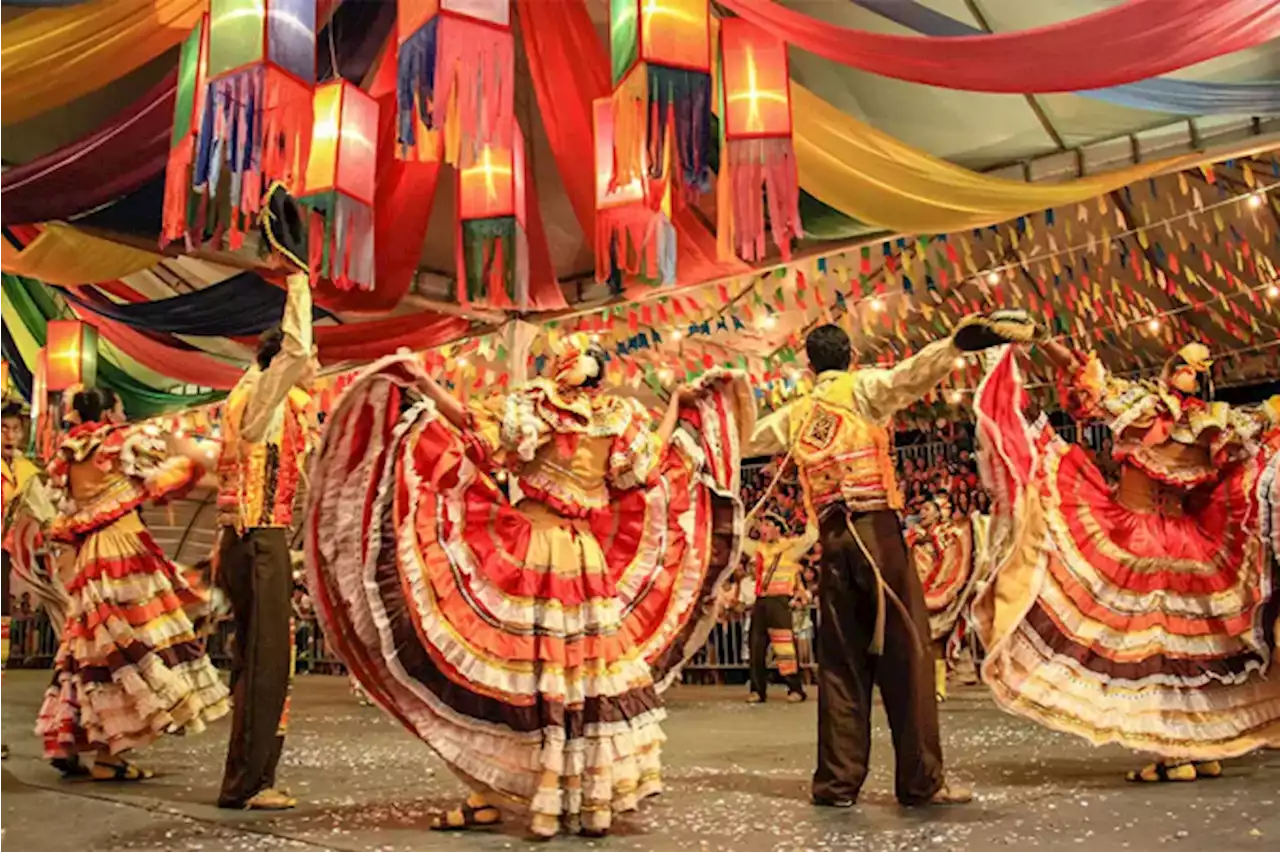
<point x="1136" y="616"/>
<point x="526" y="638"/>
<point x="129" y="667"/>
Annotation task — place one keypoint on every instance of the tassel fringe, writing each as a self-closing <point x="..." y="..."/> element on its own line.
<point x="494" y="264"/>
<point x="634" y="241"/>
<point x="475" y="81"/>
<point x="340" y="241"/>
<point x="760" y="171"/>
<point x="649" y="103"/>
<point x="416" y="85"/>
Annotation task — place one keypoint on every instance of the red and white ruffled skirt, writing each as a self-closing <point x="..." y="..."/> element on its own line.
<point x="1139" y="628"/>
<point x="526" y="648"/>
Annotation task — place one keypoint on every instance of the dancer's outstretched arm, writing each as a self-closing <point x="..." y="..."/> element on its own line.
<point x="446" y="403"/>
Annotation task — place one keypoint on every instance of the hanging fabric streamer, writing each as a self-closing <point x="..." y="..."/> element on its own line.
<point x="662" y="91"/>
<point x="455" y="65"/>
<point x="256" y="122"/>
<point x="760" y="162"/>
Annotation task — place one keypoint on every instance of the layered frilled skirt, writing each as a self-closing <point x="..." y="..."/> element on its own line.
<point x="1143" y="628"/>
<point x="526" y="648"/>
<point x="129" y="666"/>
<point x="945" y="575"/>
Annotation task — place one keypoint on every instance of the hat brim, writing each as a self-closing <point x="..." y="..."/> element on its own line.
<point x="284" y="226"/>
<point x="983" y="332"/>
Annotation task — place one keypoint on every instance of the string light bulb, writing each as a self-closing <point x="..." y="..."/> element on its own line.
<point x="960" y="362"/>
<point x="993" y="277"/>
<point x="1153" y="325"/>
<point x="1255" y="200"/>
<point x="955" y="396"/>
<point x="677" y="334"/>
<point x="877" y="304"/>
<point x="1273" y="291"/>
<point x="769" y="321"/>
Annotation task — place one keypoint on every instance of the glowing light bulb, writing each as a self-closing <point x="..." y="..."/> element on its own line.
<point x="955" y="396"/>
<point x="595" y="338"/>
<point x="993" y="277"/>
<point x="1255" y="200"/>
<point x="677" y="334"/>
<point x="462" y="362"/>
<point x="877" y="304"/>
<point x="1273" y="292"/>
<point x="769" y="321"/>
<point x="1153" y="324"/>
<point x="959" y="362"/>
<point x="665" y="375"/>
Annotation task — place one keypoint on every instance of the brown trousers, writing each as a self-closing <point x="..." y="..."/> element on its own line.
<point x="771" y="625"/>
<point x="256" y="575"/>
<point x="847" y="671"/>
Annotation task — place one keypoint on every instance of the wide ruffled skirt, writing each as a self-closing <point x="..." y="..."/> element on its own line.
<point x="129" y="666"/>
<point x="945" y="578"/>
<point x="526" y="648"/>
<point x="1145" y="629"/>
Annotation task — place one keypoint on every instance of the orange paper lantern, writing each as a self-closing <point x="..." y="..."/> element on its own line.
<point x="344" y="142"/>
<point x="493" y="186"/>
<point x="71" y="352"/>
<point x="670" y="33"/>
<point x="756" y="75"/>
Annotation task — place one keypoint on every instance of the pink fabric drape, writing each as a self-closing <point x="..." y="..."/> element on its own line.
<point x="114" y="160"/>
<point x="1130" y="42"/>
<point x="570" y="70"/>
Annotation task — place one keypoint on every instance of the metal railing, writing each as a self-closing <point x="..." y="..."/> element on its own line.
<point x="32" y="642"/>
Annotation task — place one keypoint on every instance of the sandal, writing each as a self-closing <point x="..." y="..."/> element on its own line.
<point x="1208" y="769"/>
<point x="467" y="817"/>
<point x="70" y="767"/>
<point x="1162" y="773"/>
<point x="270" y="800"/>
<point x="123" y="771"/>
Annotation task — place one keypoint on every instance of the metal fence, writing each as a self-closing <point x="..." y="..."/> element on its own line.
<point x="724" y="659"/>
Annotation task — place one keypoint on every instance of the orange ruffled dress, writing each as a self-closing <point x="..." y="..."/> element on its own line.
<point x="525" y="638"/>
<point x="129" y="667"/>
<point x="943" y="558"/>
<point x="1133" y="616"/>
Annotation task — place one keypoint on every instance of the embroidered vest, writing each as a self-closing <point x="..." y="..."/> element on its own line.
<point x="257" y="481"/>
<point x="842" y="456"/>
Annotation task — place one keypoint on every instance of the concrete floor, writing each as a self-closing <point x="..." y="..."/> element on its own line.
<point x="737" y="779"/>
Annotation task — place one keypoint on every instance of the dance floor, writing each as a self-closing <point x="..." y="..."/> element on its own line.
<point x="737" y="779"/>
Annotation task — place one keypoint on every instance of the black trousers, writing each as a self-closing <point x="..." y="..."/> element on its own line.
<point x="256" y="575"/>
<point x="771" y="625"/>
<point x="847" y="671"/>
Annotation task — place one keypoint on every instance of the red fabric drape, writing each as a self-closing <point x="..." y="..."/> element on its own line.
<point x="366" y="341"/>
<point x="195" y="368"/>
<point x="114" y="160"/>
<point x="1130" y="42"/>
<point x="570" y="70"/>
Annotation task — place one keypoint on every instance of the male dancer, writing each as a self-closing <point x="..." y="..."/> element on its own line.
<point x="16" y="471"/>
<point x="839" y="436"/>
<point x="776" y="564"/>
<point x="265" y="436"/>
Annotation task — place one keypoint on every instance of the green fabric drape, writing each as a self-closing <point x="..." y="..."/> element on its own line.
<point x="32" y="305"/>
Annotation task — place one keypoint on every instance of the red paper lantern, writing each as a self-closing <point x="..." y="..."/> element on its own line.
<point x="757" y="82"/>
<point x="339" y="184"/>
<point x="455" y="63"/>
<point x="71" y="353"/>
<point x="492" y="248"/>
<point x="758" y="171"/>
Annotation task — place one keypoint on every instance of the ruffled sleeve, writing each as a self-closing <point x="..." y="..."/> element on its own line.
<point x="635" y="451"/>
<point x="1091" y="392"/>
<point x="144" y="458"/>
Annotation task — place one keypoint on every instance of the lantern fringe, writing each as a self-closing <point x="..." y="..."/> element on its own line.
<point x="632" y="240"/>
<point x="340" y="240"/>
<point x="177" y="192"/>
<point x="416" y="85"/>
<point x="494" y="263"/>
<point x="760" y="171"/>
<point x="257" y="125"/>
<point x="648" y="101"/>
<point x="475" y="81"/>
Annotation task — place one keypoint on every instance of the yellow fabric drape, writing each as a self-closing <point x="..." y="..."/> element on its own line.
<point x="64" y="256"/>
<point x="53" y="56"/>
<point x="881" y="181"/>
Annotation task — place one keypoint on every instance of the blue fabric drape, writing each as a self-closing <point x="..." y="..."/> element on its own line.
<point x="1162" y="94"/>
<point x="241" y="306"/>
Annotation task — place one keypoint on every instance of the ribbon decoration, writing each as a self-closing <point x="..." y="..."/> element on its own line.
<point x="1181" y="97"/>
<point x="1132" y="41"/>
<point x="53" y="56"/>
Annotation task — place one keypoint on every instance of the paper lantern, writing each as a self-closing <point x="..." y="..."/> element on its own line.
<point x="492" y="248"/>
<point x="339" y="184"/>
<point x="256" y="122"/>
<point x="661" y="60"/>
<point x="71" y="353"/>
<point x="455" y="67"/>
<point x="759" y="167"/>
<point x="193" y="76"/>
<point x="4" y="378"/>
<point x="632" y="238"/>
